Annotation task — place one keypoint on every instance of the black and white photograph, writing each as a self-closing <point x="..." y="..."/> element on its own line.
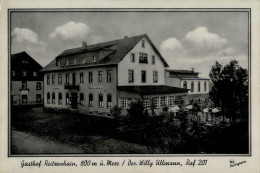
<point x="129" y="82"/>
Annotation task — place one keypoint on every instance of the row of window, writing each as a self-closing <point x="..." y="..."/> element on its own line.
<point x="24" y="73"/>
<point x="156" y="102"/>
<point x="143" y="58"/>
<point x="83" y="61"/>
<point x="80" y="100"/>
<point x="192" y="86"/>
<point x="81" y="77"/>
<point x="24" y="85"/>
<point x="143" y="76"/>
<point x="38" y="98"/>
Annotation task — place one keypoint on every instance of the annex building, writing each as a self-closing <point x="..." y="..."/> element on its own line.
<point x="92" y="79"/>
<point x="26" y="84"/>
<point x="189" y="79"/>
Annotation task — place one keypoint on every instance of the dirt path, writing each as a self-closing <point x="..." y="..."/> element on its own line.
<point x="26" y="143"/>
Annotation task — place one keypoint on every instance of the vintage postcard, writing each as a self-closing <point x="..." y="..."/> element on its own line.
<point x="130" y="86"/>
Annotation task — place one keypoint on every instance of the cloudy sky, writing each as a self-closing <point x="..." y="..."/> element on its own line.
<point x="185" y="39"/>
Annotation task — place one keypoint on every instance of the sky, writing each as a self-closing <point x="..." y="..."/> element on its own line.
<point x="185" y="39"/>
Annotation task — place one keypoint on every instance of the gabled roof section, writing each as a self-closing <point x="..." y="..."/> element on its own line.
<point x="118" y="50"/>
<point x="16" y="61"/>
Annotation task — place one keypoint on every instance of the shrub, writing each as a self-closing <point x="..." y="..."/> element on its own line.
<point x="116" y="111"/>
<point x="136" y="112"/>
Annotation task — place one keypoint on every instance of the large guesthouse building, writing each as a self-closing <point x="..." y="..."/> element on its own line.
<point x="26" y="86"/>
<point x="92" y="79"/>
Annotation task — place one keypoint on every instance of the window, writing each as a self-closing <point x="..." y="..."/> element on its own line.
<point x="90" y="103"/>
<point x="90" y="77"/>
<point x="143" y="43"/>
<point x="24" y="73"/>
<point x="143" y="76"/>
<point x="67" y="98"/>
<point x="109" y="77"/>
<point x="67" y="78"/>
<point x="38" y="98"/>
<point x="24" y="85"/>
<point x="83" y="60"/>
<point x="99" y="76"/>
<point x="81" y="78"/>
<point x="192" y="86"/>
<point x="198" y="86"/>
<point x="143" y="58"/>
<point x="153" y="59"/>
<point x="163" y="101"/>
<point x="109" y="100"/>
<point x="67" y="62"/>
<point x="81" y="96"/>
<point x="53" y="79"/>
<point x="60" y="99"/>
<point x="59" y="63"/>
<point x="24" y="62"/>
<point x="75" y="61"/>
<point x="34" y="74"/>
<point x="38" y="86"/>
<point x="155" y="76"/>
<point x="48" y="79"/>
<point x="100" y="100"/>
<point x="205" y="86"/>
<point x="24" y="98"/>
<point x="93" y="58"/>
<point x="185" y="85"/>
<point x="147" y="103"/>
<point x="13" y="73"/>
<point x="156" y="102"/>
<point x="132" y="57"/>
<point x="48" y="98"/>
<point x="130" y="76"/>
<point x="53" y="98"/>
<point x="171" y="100"/>
<point x="59" y="79"/>
<point x="123" y="102"/>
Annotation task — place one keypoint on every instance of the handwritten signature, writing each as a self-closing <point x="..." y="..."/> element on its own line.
<point x="233" y="163"/>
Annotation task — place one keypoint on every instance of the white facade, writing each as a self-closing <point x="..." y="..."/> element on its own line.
<point x="200" y="86"/>
<point x="126" y="64"/>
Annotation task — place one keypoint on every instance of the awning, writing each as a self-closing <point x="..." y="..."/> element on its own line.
<point x="206" y="110"/>
<point x="174" y="109"/>
<point x="189" y="107"/>
<point x="215" y="110"/>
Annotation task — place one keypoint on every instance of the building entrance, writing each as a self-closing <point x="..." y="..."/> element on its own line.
<point x="74" y="100"/>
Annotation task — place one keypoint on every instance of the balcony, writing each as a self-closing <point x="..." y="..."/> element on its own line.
<point x="71" y="86"/>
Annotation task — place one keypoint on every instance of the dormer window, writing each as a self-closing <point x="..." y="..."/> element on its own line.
<point x="67" y="62"/>
<point x="93" y="58"/>
<point x="143" y="43"/>
<point x="74" y="60"/>
<point x="59" y="63"/>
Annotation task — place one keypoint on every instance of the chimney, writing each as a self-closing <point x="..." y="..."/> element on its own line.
<point x="84" y="44"/>
<point x="126" y="36"/>
<point x="192" y="69"/>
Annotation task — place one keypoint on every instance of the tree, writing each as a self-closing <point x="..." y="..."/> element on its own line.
<point x="230" y="89"/>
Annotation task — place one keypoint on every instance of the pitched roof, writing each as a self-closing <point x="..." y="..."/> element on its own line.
<point x="151" y="89"/>
<point x="116" y="50"/>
